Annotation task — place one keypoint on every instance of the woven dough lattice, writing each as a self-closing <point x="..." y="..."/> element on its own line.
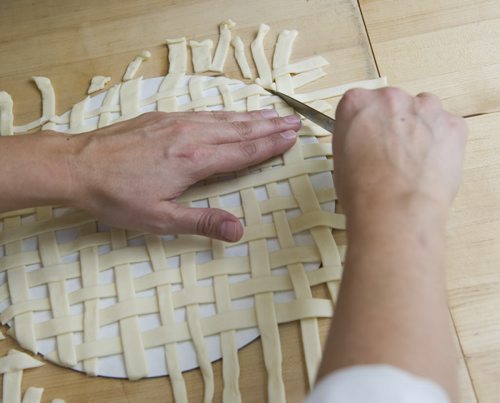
<point x="80" y="291"/>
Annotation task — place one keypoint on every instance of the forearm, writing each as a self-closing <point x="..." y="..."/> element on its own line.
<point x="392" y="307"/>
<point x="35" y="170"/>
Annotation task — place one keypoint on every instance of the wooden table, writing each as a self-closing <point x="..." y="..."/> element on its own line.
<point x="449" y="47"/>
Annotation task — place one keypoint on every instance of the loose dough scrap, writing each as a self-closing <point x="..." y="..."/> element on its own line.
<point x="33" y="395"/>
<point x="202" y="55"/>
<point x="12" y="366"/>
<point x="296" y="168"/>
<point x="98" y="83"/>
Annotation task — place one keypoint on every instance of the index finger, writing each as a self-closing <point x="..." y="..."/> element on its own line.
<point x="224" y="116"/>
<point x="351" y="102"/>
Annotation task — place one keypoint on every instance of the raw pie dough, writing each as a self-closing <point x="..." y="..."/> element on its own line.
<point x="77" y="299"/>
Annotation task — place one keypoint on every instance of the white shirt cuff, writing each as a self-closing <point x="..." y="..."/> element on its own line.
<point x="376" y="384"/>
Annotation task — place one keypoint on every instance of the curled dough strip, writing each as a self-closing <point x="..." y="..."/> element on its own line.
<point x="223" y="46"/>
<point x="239" y="54"/>
<point x="265" y="76"/>
<point x="48" y="97"/>
<point x="283" y="49"/>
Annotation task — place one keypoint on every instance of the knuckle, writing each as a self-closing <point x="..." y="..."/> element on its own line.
<point x="206" y="224"/>
<point x="428" y="100"/>
<point x="351" y="100"/>
<point x="392" y="93"/>
<point x="154" y="120"/>
<point x="243" y="129"/>
<point x="249" y="150"/>
<point x="160" y="223"/>
<point x="155" y="115"/>
<point x="176" y="126"/>
<point x="219" y="116"/>
<point x="191" y="152"/>
<point x="160" y="227"/>
<point x="353" y="95"/>
<point x="276" y="123"/>
<point x="393" y="97"/>
<point x="181" y="126"/>
<point x="458" y="123"/>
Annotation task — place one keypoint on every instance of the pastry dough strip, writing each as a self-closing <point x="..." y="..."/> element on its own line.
<point x="98" y="83"/>
<point x="230" y="363"/>
<point x="90" y="279"/>
<point x="167" y="316"/>
<point x="6" y="115"/>
<point x="49" y="255"/>
<point x="135" y="64"/>
<point x="241" y="59"/>
<point x="265" y="76"/>
<point x="223" y="46"/>
<point x="202" y="55"/>
<point x="264" y="303"/>
<point x="188" y="272"/>
<point x="309" y="326"/>
<point x="177" y="55"/>
<point x="20" y="293"/>
<point x="48" y="97"/>
<point x="133" y="347"/>
<point x="33" y="395"/>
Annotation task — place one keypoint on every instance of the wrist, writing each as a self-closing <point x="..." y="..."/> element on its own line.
<point x="55" y="159"/>
<point x="36" y="170"/>
<point x="407" y="216"/>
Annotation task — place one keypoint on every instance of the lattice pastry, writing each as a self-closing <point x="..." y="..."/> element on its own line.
<point x="96" y="298"/>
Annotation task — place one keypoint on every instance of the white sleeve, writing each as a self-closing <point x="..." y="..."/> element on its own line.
<point x="376" y="384"/>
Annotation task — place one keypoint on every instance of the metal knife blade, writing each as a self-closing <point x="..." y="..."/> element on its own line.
<point x="326" y="122"/>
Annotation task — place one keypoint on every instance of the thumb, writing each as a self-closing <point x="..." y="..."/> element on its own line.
<point x="210" y="222"/>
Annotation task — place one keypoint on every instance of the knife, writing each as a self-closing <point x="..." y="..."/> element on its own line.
<point x="326" y="122"/>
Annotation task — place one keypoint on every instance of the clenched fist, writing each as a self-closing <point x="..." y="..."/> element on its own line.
<point x="392" y="149"/>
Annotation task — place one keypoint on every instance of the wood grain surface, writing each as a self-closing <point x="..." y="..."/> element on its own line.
<point x="450" y="47"/>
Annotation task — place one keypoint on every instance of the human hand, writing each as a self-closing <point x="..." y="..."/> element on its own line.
<point x="130" y="174"/>
<point x="392" y="149"/>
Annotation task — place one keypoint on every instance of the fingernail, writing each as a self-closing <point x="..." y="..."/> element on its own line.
<point x="269" y="113"/>
<point x="229" y="230"/>
<point x="289" y="134"/>
<point x="292" y="119"/>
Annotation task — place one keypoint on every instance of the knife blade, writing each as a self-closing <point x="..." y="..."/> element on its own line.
<point x="326" y="122"/>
